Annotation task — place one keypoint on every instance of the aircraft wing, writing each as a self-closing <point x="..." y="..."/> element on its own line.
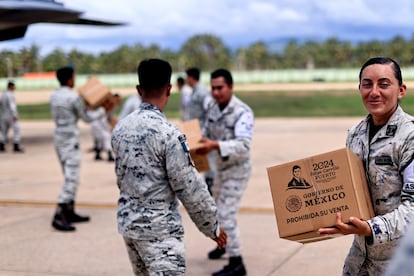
<point x="84" y="21"/>
<point x="17" y="15"/>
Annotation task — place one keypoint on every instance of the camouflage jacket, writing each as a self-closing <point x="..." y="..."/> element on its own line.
<point x="67" y="107"/>
<point x="8" y="108"/>
<point x="154" y="170"/>
<point x="386" y="158"/>
<point x="199" y="99"/>
<point x="233" y="129"/>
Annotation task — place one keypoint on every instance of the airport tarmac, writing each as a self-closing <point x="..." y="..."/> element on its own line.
<point x="30" y="183"/>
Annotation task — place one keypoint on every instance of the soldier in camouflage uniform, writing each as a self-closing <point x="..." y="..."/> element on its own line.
<point x="200" y="99"/>
<point x="228" y="131"/>
<point x="67" y="107"/>
<point x="200" y="96"/>
<point x="9" y="117"/>
<point x="154" y="170"/>
<point x="385" y="142"/>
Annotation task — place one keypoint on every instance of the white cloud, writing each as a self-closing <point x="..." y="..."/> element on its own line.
<point x="237" y="22"/>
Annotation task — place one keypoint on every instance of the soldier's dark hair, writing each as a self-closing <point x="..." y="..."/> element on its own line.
<point x="64" y="74"/>
<point x="154" y="74"/>
<point x="180" y="80"/>
<point x="10" y="84"/>
<point x="193" y="72"/>
<point x="223" y="73"/>
<point x="384" y="60"/>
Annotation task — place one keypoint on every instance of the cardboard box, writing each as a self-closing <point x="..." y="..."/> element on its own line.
<point x="330" y="183"/>
<point x="192" y="131"/>
<point x="95" y="93"/>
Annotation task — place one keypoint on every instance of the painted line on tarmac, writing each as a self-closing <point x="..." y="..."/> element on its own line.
<point x="26" y="203"/>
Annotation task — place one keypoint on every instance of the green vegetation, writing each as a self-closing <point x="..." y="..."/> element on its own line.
<point x="267" y="104"/>
<point x="34" y="111"/>
<point x="209" y="52"/>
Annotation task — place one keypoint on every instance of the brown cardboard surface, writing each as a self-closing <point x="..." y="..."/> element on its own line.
<point x="331" y="182"/>
<point x="95" y="93"/>
<point x="192" y="131"/>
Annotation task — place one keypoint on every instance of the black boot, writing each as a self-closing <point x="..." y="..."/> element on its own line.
<point x="2" y="148"/>
<point x="73" y="217"/>
<point x="98" y="154"/>
<point x="60" y="221"/>
<point x="110" y="156"/>
<point x="17" y="148"/>
<point x="216" y="253"/>
<point x="234" y="268"/>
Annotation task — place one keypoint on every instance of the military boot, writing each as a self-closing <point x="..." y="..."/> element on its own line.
<point x="110" y="156"/>
<point x="2" y="148"/>
<point x="98" y="154"/>
<point x="234" y="268"/>
<point x="216" y="253"/>
<point x="17" y="148"/>
<point x="60" y="221"/>
<point x="72" y="217"/>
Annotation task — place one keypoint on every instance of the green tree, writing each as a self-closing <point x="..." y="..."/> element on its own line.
<point x="205" y="51"/>
<point x="55" y="60"/>
<point x="83" y="63"/>
<point x="9" y="64"/>
<point x="29" y="59"/>
<point x="294" y="56"/>
<point x="366" y="50"/>
<point x="257" y="57"/>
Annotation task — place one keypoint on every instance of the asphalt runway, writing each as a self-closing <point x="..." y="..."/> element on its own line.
<point x="30" y="183"/>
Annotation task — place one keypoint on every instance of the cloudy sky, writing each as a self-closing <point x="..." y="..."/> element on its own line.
<point x="239" y="23"/>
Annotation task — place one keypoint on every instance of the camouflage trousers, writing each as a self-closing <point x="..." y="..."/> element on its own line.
<point x="360" y="262"/>
<point x="69" y="155"/>
<point x="228" y="193"/>
<point x="163" y="256"/>
<point x="5" y="125"/>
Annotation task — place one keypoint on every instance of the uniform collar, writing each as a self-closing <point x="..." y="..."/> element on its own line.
<point x="390" y="127"/>
<point x="147" y="106"/>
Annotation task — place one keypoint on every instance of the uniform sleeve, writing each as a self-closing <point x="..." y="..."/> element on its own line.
<point x="126" y="108"/>
<point x="207" y="101"/>
<point x="87" y="115"/>
<point x="392" y="225"/>
<point x="189" y="186"/>
<point x="243" y="132"/>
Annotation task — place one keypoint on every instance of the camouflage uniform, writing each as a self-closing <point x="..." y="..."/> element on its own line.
<point x="388" y="163"/>
<point x="402" y="262"/>
<point x="185" y="102"/>
<point x="67" y="107"/>
<point x="8" y="115"/>
<point x="154" y="170"/>
<point x="131" y="104"/>
<point x="199" y="100"/>
<point x="197" y="107"/>
<point x="101" y="131"/>
<point x="233" y="129"/>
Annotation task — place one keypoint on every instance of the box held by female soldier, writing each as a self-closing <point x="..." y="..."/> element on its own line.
<point x="308" y="193"/>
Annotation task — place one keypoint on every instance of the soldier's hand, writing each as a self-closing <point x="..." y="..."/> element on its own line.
<point x="208" y="145"/>
<point x="221" y="240"/>
<point x="355" y="226"/>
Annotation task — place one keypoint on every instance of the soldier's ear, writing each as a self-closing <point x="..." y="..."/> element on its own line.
<point x="169" y="90"/>
<point x="139" y="90"/>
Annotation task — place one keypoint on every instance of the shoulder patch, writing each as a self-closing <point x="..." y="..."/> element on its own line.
<point x="183" y="142"/>
<point x="186" y="148"/>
